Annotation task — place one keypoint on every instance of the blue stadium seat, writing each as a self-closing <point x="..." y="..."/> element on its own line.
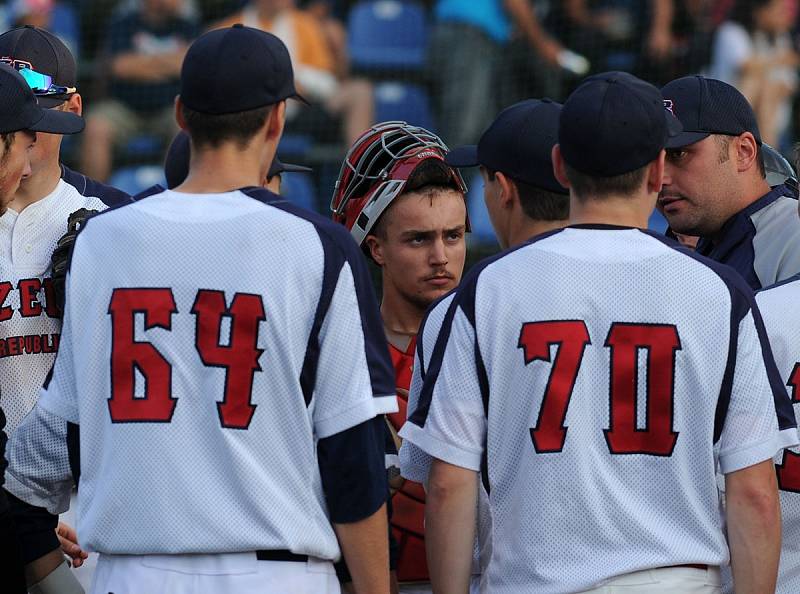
<point x="295" y="144"/>
<point x="657" y="222"/>
<point x="482" y="230"/>
<point x="138" y="178"/>
<point x="401" y="101"/>
<point x="387" y="34"/>
<point x="298" y="189"/>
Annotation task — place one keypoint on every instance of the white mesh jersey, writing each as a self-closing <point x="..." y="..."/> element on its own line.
<point x="29" y="317"/>
<point x="415" y="464"/>
<point x="778" y="307"/>
<point x="209" y="343"/>
<point x="591" y="372"/>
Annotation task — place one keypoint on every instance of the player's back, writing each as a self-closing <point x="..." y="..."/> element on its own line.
<point x="202" y="438"/>
<point x="606" y="360"/>
<point x="778" y="307"/>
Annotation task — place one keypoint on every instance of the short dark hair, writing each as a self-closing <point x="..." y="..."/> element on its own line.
<point x="724" y="141"/>
<point x="213" y="130"/>
<point x="538" y="204"/>
<point x="7" y="140"/>
<point x="602" y="187"/>
<point x="429" y="177"/>
<point x="431" y="174"/>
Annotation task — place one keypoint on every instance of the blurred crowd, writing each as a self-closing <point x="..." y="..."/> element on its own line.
<point x="448" y="64"/>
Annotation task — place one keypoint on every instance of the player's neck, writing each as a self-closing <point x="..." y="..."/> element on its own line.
<point x="37" y="186"/>
<point x="530" y="228"/>
<point x="623" y="211"/>
<point x="216" y="171"/>
<point x="401" y="319"/>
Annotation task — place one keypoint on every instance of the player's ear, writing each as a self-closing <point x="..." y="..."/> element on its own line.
<point x="275" y="121"/>
<point x="745" y="151"/>
<point x="508" y="190"/>
<point x="655" y="173"/>
<point x="559" y="166"/>
<point x="179" y="113"/>
<point x="375" y="248"/>
<point x="74" y="104"/>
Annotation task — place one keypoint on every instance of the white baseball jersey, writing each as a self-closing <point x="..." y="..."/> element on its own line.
<point x="415" y="464"/>
<point x="601" y="375"/>
<point x="29" y="317"/>
<point x="778" y="307"/>
<point x="211" y="345"/>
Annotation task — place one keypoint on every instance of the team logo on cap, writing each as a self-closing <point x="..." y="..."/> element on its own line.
<point x="668" y="105"/>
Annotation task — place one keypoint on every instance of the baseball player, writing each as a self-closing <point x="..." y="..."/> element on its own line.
<point x="227" y="414"/>
<point x="29" y="230"/>
<point x="715" y="184"/>
<point x="405" y="207"/>
<point x="784" y="337"/>
<point x="596" y="394"/>
<point x="21" y="119"/>
<point x="523" y="199"/>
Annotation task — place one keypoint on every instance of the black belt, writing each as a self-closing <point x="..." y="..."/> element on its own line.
<point x="280" y="555"/>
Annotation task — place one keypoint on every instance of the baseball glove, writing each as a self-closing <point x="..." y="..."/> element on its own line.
<point x="59" y="261"/>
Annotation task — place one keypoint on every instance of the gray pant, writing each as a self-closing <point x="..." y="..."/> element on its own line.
<point x="462" y="61"/>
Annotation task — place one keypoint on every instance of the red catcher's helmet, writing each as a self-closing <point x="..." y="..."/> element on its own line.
<point x="376" y="169"/>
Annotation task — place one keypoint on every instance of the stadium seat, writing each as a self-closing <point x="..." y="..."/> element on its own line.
<point x="387" y="34"/>
<point x="482" y="230"/>
<point x="295" y="144"/>
<point x="657" y="222"/>
<point x="298" y="188"/>
<point x="138" y="178"/>
<point x="401" y="101"/>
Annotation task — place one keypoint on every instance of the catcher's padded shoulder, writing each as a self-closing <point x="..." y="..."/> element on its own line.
<point x="59" y="261"/>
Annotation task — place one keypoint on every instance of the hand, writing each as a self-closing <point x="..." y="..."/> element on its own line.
<point x="68" y="539"/>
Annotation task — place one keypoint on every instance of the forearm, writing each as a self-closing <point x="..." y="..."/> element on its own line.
<point x="754" y="527"/>
<point x="663" y="12"/>
<point x="365" y="546"/>
<point x="450" y="516"/>
<point x="523" y="16"/>
<point x="137" y="67"/>
<point x="40" y="568"/>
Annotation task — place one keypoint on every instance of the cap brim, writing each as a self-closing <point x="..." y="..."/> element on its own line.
<point x="463" y="156"/>
<point x="291" y="168"/>
<point x="50" y="101"/>
<point x="58" y="122"/>
<point x="686" y="138"/>
<point x="298" y="97"/>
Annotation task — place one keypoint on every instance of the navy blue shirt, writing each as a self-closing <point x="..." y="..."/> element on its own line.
<point x="762" y="241"/>
<point x="132" y="33"/>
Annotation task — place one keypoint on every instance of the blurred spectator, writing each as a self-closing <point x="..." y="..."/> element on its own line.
<point x="317" y="48"/>
<point x="57" y="17"/>
<point x="145" y="48"/>
<point x="467" y="63"/>
<point x="753" y="51"/>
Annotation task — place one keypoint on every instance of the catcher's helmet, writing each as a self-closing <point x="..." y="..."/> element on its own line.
<point x="376" y="170"/>
<point x="778" y="169"/>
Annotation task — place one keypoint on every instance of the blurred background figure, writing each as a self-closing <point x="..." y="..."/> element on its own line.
<point x="144" y="51"/>
<point x="316" y="43"/>
<point x="753" y="50"/>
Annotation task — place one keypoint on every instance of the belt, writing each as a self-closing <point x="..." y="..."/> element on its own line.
<point x="693" y="566"/>
<point x="280" y="555"/>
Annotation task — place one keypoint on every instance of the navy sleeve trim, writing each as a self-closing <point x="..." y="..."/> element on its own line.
<point x="151" y="191"/>
<point x="86" y="186"/>
<point x="352" y="470"/>
<point x="421" y="333"/>
<point x="337" y="239"/>
<point x="74" y="451"/>
<point x="36" y="529"/>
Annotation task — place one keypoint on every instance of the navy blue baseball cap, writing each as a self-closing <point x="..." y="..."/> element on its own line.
<point x="518" y="143"/>
<point x="46" y="53"/>
<point x="708" y="106"/>
<point x="176" y="163"/>
<point x="20" y="111"/>
<point x="614" y="123"/>
<point x="236" y="69"/>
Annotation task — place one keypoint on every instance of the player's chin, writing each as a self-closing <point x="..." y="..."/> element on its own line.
<point x="434" y="290"/>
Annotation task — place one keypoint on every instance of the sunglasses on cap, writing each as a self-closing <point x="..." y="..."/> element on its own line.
<point x="41" y="84"/>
